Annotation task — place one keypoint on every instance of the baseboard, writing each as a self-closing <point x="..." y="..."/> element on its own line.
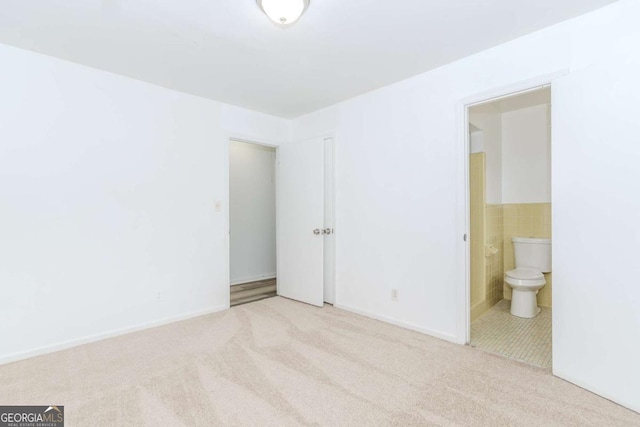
<point x="110" y="334"/>
<point x="400" y="323"/>
<point x="634" y="406"/>
<point x="478" y="309"/>
<point x="257" y="278"/>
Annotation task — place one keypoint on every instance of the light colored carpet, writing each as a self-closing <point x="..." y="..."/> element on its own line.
<point x="277" y="362"/>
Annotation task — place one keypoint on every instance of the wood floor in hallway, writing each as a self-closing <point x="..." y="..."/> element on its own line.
<point x="254" y="291"/>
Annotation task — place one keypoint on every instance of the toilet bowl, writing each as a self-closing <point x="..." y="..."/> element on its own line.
<point x="532" y="258"/>
<point x="525" y="284"/>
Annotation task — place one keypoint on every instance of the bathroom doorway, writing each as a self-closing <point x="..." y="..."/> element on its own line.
<point x="510" y="279"/>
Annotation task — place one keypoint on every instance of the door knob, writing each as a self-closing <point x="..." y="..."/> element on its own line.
<point x="327" y="231"/>
<point x="316" y="231"/>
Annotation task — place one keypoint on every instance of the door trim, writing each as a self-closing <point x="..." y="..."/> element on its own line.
<point x="274" y="143"/>
<point x="463" y="329"/>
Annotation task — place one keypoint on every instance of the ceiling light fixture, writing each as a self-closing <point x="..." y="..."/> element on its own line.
<point x="283" y="12"/>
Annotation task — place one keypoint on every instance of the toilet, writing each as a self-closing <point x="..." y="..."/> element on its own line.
<point x="533" y="258"/>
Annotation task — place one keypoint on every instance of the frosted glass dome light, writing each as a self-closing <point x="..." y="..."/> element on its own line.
<point x="283" y="12"/>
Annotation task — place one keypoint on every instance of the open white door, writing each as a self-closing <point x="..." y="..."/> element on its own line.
<point x="300" y="221"/>
<point x="329" y="223"/>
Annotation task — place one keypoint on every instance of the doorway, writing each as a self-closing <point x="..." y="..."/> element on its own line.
<point x="282" y="221"/>
<point x="510" y="279"/>
<point x="252" y="222"/>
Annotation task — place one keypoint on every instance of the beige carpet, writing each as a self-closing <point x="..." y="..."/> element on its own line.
<point x="277" y="362"/>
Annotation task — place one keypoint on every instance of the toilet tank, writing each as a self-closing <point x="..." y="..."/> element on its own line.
<point x="532" y="253"/>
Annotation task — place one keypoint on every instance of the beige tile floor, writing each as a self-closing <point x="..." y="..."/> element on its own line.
<point x="526" y="340"/>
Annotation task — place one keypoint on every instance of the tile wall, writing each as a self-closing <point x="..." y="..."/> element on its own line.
<point x="494" y="226"/>
<point x="477" y="230"/>
<point x="494" y="264"/>
<point x="486" y="229"/>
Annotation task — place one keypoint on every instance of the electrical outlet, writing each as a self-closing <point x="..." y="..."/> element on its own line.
<point x="158" y="295"/>
<point x="394" y="295"/>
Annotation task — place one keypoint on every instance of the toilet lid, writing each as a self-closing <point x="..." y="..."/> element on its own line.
<point x="523" y="273"/>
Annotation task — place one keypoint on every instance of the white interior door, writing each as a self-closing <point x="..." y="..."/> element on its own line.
<point x="329" y="223"/>
<point x="300" y="221"/>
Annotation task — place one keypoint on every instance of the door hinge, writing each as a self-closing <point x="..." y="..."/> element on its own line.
<point x="465" y="237"/>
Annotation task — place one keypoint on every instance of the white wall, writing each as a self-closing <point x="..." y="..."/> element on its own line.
<point x="596" y="206"/>
<point x="252" y="212"/>
<point x="107" y="196"/>
<point x="489" y="119"/>
<point x="476" y="140"/>
<point x="517" y="144"/>
<point x="108" y="185"/>
<point x="399" y="220"/>
<point x="526" y="155"/>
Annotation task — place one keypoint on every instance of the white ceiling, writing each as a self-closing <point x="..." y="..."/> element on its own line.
<point x="229" y="51"/>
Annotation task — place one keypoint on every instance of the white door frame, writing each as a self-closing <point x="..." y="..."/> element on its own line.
<point x="273" y="143"/>
<point x="463" y="151"/>
<point x="332" y="252"/>
<point x="336" y="224"/>
<point x="226" y="201"/>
